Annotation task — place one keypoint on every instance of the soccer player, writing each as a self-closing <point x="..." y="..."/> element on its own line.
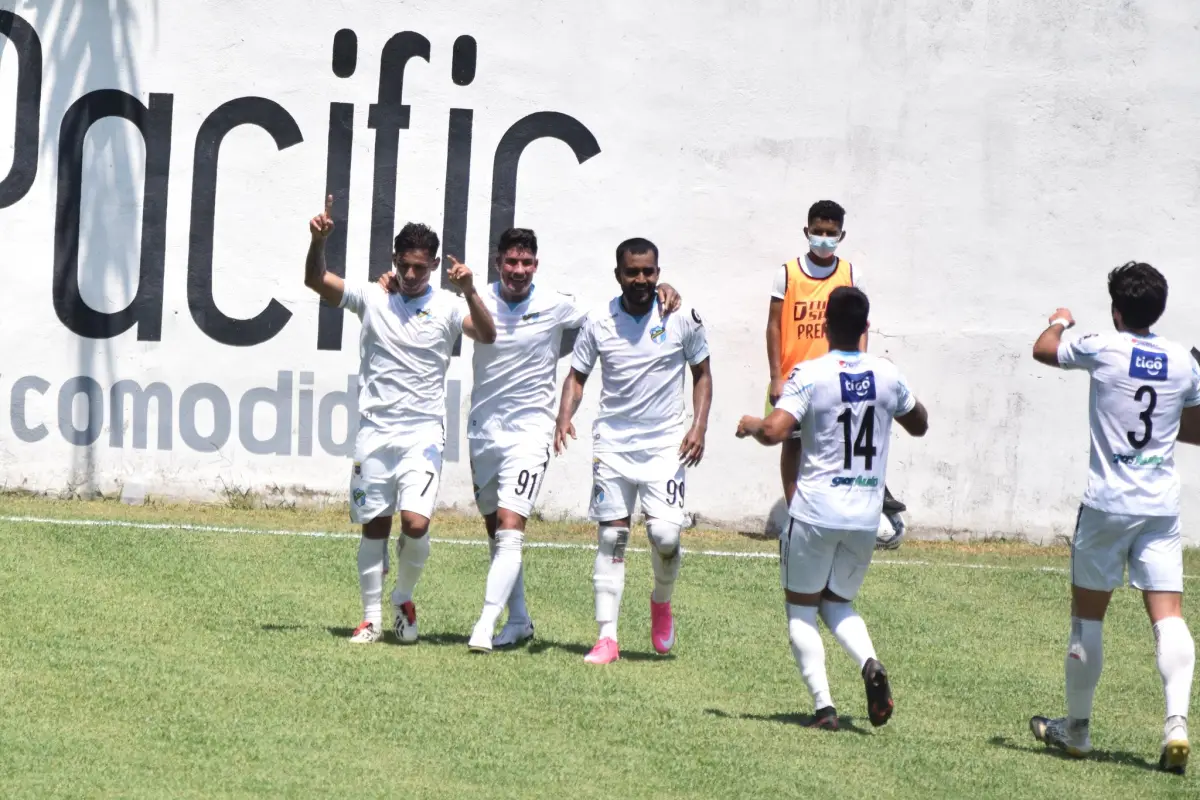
<point x="642" y="442"/>
<point x="796" y="333"/>
<point x="843" y="403"/>
<point x="511" y="425"/>
<point x="1141" y="387"/>
<point x="404" y="350"/>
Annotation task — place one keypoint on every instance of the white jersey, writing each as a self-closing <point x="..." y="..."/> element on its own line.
<point x="1140" y="386"/>
<point x="642" y="361"/>
<point x="845" y="403"/>
<point x="404" y="351"/>
<point x="514" y="389"/>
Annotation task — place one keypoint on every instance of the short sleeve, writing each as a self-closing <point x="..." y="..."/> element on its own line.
<point x="856" y="279"/>
<point x="906" y="401"/>
<point x="458" y="315"/>
<point x="695" y="339"/>
<point x="779" y="286"/>
<point x="583" y="359"/>
<point x="570" y="314"/>
<point x="1081" y="353"/>
<point x="1192" y="398"/>
<point x="797" y="393"/>
<point x="354" y="297"/>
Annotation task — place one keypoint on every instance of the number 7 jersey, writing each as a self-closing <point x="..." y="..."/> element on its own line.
<point x="844" y="404"/>
<point x="1140" y="386"/>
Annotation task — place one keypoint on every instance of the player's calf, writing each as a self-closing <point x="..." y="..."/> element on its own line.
<point x="666" y="556"/>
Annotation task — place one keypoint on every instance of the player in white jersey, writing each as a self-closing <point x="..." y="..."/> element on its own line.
<point x="1141" y="387"/>
<point x="511" y="425"/>
<point x="404" y="351"/>
<point x="844" y="403"/>
<point x="642" y="442"/>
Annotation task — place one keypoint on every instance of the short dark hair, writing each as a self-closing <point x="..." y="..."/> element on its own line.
<point x="1139" y="292"/>
<point x="827" y="209"/>
<point x="520" y="238"/>
<point x="416" y="236"/>
<point x="846" y="313"/>
<point x="636" y="246"/>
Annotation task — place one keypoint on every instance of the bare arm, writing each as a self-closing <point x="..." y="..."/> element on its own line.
<point x="770" y="431"/>
<point x="329" y="286"/>
<point x="774" y="348"/>
<point x="916" y="422"/>
<point x="692" y="449"/>
<point x="572" y="395"/>
<point x="1045" y="349"/>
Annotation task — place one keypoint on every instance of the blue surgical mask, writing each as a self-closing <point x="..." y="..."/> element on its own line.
<point x="823" y="246"/>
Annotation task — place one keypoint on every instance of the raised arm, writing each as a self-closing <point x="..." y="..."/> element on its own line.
<point x="572" y="395"/>
<point x="1045" y="349"/>
<point x="479" y="325"/>
<point x="329" y="286"/>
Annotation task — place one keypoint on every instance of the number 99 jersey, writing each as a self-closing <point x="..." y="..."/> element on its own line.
<point x="844" y="403"/>
<point x="1140" y="386"/>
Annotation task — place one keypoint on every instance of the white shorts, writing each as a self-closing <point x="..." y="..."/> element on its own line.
<point x="813" y="558"/>
<point x="396" y="472"/>
<point x="1104" y="544"/>
<point x="508" y="474"/>
<point x="618" y="479"/>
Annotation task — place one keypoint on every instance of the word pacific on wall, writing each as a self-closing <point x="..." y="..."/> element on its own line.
<point x="153" y="120"/>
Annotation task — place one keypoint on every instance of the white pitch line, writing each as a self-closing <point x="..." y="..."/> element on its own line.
<point x="169" y="526"/>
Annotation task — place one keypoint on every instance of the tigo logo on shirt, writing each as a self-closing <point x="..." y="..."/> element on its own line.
<point x="857" y="387"/>
<point x="1148" y="366"/>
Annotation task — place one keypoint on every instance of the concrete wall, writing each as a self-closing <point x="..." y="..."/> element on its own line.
<point x="996" y="158"/>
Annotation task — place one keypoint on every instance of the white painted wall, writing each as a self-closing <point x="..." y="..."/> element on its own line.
<point x="996" y="159"/>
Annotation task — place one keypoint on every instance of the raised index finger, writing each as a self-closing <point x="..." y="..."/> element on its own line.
<point x="329" y="205"/>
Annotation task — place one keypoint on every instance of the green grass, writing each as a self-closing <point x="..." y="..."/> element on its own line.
<point x="140" y="663"/>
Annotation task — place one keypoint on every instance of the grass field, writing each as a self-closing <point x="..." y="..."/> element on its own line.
<point x="141" y="662"/>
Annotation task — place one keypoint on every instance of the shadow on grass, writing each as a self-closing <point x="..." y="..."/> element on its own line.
<point x="439" y="639"/>
<point x="282" y="628"/>
<point x="845" y="723"/>
<point x="1118" y="757"/>
<point x="542" y="645"/>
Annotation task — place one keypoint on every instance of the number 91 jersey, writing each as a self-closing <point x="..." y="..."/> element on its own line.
<point x="844" y="404"/>
<point x="1140" y="386"/>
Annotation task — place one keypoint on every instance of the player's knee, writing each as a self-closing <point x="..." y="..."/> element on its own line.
<point x="413" y="525"/>
<point x="613" y="540"/>
<point x="664" y="536"/>
<point x="507" y="519"/>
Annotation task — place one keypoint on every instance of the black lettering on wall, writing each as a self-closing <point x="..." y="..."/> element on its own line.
<point x="539" y="125"/>
<point x="345" y="53"/>
<point x="275" y="120"/>
<point x="458" y="166"/>
<point x="154" y="123"/>
<point x="387" y="117"/>
<point x="337" y="183"/>
<point x="28" y="114"/>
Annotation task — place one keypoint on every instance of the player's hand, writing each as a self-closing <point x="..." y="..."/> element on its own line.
<point x="748" y="426"/>
<point x="776" y="390"/>
<point x="561" y="431"/>
<point x="668" y="299"/>
<point x="321" y="225"/>
<point x="1063" y="314"/>
<point x="460" y="275"/>
<point x="692" y="449"/>
<point x="389" y="283"/>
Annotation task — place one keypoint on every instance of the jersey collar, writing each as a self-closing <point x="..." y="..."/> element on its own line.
<point x="428" y="291"/>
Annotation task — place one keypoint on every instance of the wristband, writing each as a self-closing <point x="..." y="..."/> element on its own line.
<point x="1061" y="321"/>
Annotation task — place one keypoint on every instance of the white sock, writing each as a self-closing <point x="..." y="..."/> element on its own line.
<point x="502" y="575"/>
<point x="1176" y="663"/>
<point x="1085" y="659"/>
<point x="410" y="560"/>
<point x="809" y="651"/>
<point x="849" y="629"/>
<point x="371" y="554"/>
<point x="665" y="556"/>
<point x="608" y="578"/>
<point x="517" y="612"/>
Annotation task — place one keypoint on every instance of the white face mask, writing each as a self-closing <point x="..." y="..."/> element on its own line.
<point x="823" y="246"/>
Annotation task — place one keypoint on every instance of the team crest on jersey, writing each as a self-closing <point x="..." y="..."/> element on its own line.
<point x="658" y="334"/>
<point x="598" y="493"/>
<point x="857" y="387"/>
<point x="531" y="316"/>
<point x="359" y="497"/>
<point x="358" y="468"/>
<point x="423" y="314"/>
<point x="1147" y="365"/>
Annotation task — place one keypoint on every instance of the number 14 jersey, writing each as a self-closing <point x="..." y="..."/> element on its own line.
<point x="844" y="403"/>
<point x="1140" y="386"/>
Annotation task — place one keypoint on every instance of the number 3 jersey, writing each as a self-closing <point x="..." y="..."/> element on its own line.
<point x="1140" y="386"/>
<point x="844" y="403"/>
